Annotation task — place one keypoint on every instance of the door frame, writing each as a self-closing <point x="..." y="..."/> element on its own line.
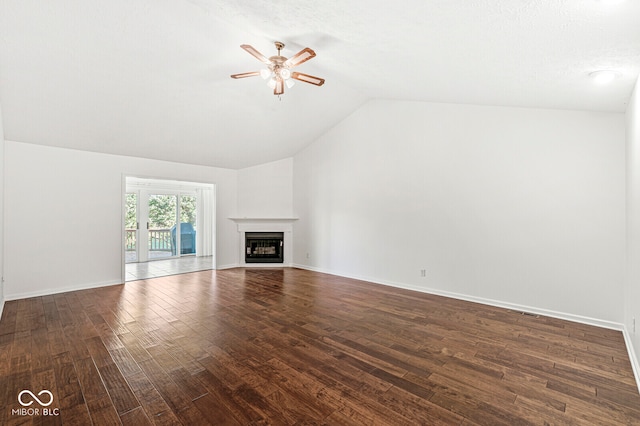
<point x="167" y="185"/>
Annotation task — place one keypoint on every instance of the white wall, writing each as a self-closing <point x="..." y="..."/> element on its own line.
<point x="64" y="215"/>
<point x="632" y="284"/>
<point x="1" y="213"/>
<point x="512" y="206"/>
<point x="266" y="191"/>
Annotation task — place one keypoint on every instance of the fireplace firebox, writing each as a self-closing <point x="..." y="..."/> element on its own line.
<point x="264" y="247"/>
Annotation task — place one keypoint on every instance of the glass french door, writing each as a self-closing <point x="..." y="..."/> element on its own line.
<point x="152" y="228"/>
<point x="161" y="226"/>
<point x="131" y="228"/>
<point x="187" y="224"/>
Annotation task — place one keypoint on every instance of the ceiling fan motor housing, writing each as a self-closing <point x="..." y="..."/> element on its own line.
<point x="278" y="68"/>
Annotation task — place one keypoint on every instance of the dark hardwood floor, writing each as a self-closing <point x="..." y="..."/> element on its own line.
<point x="287" y="346"/>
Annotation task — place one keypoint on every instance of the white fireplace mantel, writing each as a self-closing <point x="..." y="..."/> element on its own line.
<point x="266" y="224"/>
<point x="263" y="219"/>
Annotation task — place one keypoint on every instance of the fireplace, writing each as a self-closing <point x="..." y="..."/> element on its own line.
<point x="264" y="247"/>
<point x="279" y="227"/>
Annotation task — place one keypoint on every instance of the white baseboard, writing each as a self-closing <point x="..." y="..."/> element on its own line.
<point x="632" y="356"/>
<point x="497" y="303"/>
<point x="1" y="306"/>
<point x="519" y="308"/>
<point x="49" y="291"/>
<point x="230" y="266"/>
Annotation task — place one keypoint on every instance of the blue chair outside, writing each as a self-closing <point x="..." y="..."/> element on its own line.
<point x="187" y="239"/>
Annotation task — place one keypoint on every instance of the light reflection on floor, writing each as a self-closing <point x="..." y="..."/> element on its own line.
<point x="162" y="268"/>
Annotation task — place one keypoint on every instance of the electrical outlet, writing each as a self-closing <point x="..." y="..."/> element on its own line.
<point x="423" y="273"/>
<point x="633" y="327"/>
<point x="308" y="255"/>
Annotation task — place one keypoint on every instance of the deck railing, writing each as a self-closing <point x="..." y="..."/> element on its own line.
<point x="159" y="240"/>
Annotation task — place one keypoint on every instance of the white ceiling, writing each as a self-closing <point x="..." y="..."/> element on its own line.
<point x="150" y="78"/>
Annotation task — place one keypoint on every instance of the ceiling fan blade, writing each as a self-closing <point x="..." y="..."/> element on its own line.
<point x="307" y="78"/>
<point x="259" y="56"/>
<point x="245" y="74"/>
<point x="279" y="89"/>
<point x="302" y="56"/>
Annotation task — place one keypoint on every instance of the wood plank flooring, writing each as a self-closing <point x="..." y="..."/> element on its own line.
<point x="288" y="346"/>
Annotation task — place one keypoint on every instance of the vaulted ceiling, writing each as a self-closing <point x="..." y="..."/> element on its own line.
<point x="150" y="78"/>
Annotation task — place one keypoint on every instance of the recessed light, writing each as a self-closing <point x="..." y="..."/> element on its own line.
<point x="604" y="76"/>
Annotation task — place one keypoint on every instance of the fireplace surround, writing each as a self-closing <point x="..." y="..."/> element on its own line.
<point x="282" y="225"/>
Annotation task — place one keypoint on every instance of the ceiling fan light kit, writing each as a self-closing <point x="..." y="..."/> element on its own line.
<point x="278" y="71"/>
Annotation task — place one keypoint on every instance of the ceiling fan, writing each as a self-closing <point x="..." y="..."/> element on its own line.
<point x="279" y="71"/>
